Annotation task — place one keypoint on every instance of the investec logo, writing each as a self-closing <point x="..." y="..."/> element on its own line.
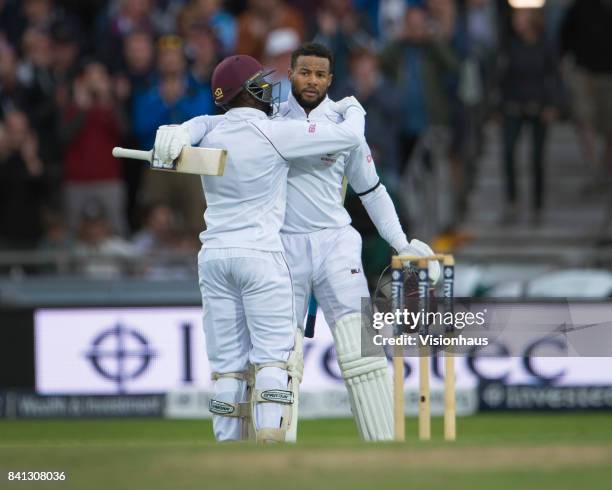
<point x="123" y="353"/>
<point x="120" y="354"/>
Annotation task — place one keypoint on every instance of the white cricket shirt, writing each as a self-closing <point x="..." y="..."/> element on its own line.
<point x="314" y="191"/>
<point x="246" y="206"/>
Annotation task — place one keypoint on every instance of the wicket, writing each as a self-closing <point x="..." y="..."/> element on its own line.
<point x="398" y="303"/>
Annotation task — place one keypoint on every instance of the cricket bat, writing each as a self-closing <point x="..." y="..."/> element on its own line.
<point x="192" y="160"/>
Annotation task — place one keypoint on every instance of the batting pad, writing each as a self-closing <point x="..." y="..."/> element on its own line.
<point x="275" y="398"/>
<point x="231" y="412"/>
<point x="367" y="381"/>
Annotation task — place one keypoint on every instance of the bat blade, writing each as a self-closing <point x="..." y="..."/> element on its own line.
<point x="199" y="161"/>
<point x="192" y="160"/>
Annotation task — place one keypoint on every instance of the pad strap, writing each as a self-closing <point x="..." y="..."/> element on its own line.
<point x="239" y="375"/>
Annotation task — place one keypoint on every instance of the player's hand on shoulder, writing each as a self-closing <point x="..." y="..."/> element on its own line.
<point x="169" y="141"/>
<point x="342" y="106"/>
<point x="421" y="249"/>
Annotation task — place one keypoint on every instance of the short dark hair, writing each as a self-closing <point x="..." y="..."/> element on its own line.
<point x="313" y="49"/>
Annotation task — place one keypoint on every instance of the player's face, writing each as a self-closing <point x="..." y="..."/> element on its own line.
<point x="310" y="79"/>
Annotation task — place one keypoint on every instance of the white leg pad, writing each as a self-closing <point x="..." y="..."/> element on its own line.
<point x="229" y="406"/>
<point x="274" y="401"/>
<point x="367" y="381"/>
<point x="270" y="384"/>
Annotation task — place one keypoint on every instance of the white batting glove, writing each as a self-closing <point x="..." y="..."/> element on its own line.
<point x="345" y="104"/>
<point x="421" y="249"/>
<point x="169" y="141"/>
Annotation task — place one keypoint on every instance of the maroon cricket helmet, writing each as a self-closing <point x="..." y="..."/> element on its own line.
<point x="239" y="72"/>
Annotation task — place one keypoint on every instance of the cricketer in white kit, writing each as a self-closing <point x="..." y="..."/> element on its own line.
<point x="247" y="293"/>
<point x="324" y="250"/>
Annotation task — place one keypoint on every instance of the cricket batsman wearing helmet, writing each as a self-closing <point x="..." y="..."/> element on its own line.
<point x="247" y="292"/>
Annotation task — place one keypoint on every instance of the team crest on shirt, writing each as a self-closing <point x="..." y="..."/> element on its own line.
<point x="312" y="128"/>
<point x="369" y="158"/>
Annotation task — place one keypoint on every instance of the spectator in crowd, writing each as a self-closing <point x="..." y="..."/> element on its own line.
<point x="211" y="14"/>
<point x="21" y="183"/>
<point x="163" y="240"/>
<point x="262" y="17"/>
<point x="175" y="98"/>
<point x="202" y="50"/>
<point x="67" y="40"/>
<point x="481" y="18"/>
<point x="529" y="93"/>
<point x="91" y="125"/>
<point x="381" y="100"/>
<point x="443" y="18"/>
<point x="342" y="30"/>
<point x="384" y="18"/>
<point x="587" y="35"/>
<point x="40" y="13"/>
<point x="39" y="77"/>
<point x="56" y="233"/>
<point x="102" y="252"/>
<point x="158" y="233"/>
<point x="12" y="22"/>
<point x="482" y="33"/>
<point x="121" y="18"/>
<point x="13" y="95"/>
<point x="36" y="74"/>
<point x="279" y="46"/>
<point x="418" y="63"/>
<point x="136" y="76"/>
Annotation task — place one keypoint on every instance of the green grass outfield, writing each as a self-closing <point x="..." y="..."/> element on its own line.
<point x="493" y="452"/>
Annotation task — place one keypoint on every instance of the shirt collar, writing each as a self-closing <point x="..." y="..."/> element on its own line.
<point x="317" y="113"/>
<point x="242" y="113"/>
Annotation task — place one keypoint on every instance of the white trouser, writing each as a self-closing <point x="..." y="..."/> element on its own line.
<point x="328" y="263"/>
<point x="247" y="299"/>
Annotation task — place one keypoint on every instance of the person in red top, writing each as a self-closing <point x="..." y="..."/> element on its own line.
<point x="91" y="125"/>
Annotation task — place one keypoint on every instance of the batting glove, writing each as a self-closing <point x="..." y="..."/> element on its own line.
<point x="169" y="141"/>
<point x="421" y="249"/>
<point x="345" y="104"/>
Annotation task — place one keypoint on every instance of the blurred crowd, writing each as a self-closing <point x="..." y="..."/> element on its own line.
<point x="80" y="77"/>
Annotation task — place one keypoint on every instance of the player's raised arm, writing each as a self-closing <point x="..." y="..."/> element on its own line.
<point x="200" y="126"/>
<point x="296" y="139"/>
<point x="363" y="178"/>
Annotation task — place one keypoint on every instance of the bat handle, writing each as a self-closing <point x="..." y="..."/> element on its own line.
<point x="311" y="319"/>
<point x="119" y="152"/>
